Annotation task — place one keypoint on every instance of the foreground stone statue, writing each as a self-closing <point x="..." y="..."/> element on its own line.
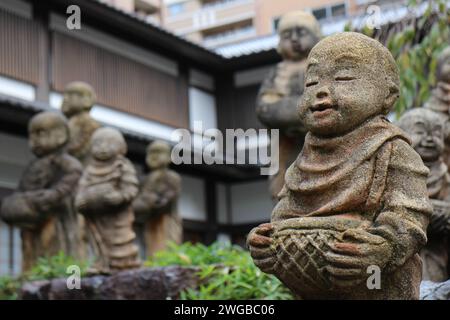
<point x="156" y="204"/>
<point x="355" y="200"/>
<point x="42" y="206"/>
<point x="440" y="97"/>
<point x="279" y="94"/>
<point x="106" y="190"/>
<point x="426" y="129"/>
<point x="79" y="97"/>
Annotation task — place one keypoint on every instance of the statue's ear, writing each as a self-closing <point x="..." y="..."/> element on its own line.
<point x="391" y="97"/>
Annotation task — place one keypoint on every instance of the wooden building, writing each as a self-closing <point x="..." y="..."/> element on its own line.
<point x="149" y="82"/>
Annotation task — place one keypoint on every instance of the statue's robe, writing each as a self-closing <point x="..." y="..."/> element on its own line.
<point x="81" y="127"/>
<point x="281" y="91"/>
<point x="369" y="178"/>
<point x="46" y="231"/>
<point x="156" y="208"/>
<point x="110" y="228"/>
<point x="435" y="255"/>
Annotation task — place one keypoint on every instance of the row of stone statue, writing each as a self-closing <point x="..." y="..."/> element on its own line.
<point x="354" y="197"/>
<point x="80" y="195"/>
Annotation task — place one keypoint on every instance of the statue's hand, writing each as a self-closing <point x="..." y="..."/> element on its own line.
<point x="44" y="200"/>
<point x="80" y="203"/>
<point x="259" y="242"/>
<point x="350" y="259"/>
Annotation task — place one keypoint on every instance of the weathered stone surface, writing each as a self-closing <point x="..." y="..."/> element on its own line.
<point x="356" y="197"/>
<point x="426" y="129"/>
<point x="105" y="193"/>
<point x="156" y="204"/>
<point x="277" y="101"/>
<point x="435" y="291"/>
<point x="79" y="97"/>
<point x="42" y="206"/>
<point x="139" y="284"/>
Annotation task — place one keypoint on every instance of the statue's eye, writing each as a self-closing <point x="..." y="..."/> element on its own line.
<point x="344" y="78"/>
<point x="311" y="83"/>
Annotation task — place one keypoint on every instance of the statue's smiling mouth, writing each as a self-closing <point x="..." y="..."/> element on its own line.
<point x="322" y="108"/>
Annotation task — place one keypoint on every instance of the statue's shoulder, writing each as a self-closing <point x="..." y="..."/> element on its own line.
<point x="404" y="157"/>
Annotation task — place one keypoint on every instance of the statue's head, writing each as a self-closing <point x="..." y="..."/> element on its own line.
<point x="443" y="66"/>
<point x="349" y="79"/>
<point x="48" y="132"/>
<point x="107" y="143"/>
<point x="78" y="96"/>
<point x="299" y="31"/>
<point x="158" y="155"/>
<point x="426" y="131"/>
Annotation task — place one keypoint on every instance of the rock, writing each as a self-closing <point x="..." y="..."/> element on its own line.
<point x="138" y="284"/>
<point x="435" y="291"/>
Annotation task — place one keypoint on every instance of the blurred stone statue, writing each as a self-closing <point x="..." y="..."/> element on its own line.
<point x="79" y="97"/>
<point x="354" y="209"/>
<point x="106" y="190"/>
<point x="156" y="204"/>
<point x="43" y="205"/>
<point x="278" y="97"/>
<point x="426" y="129"/>
<point x="440" y="97"/>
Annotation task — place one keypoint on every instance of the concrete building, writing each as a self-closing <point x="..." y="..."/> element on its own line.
<point x="216" y="23"/>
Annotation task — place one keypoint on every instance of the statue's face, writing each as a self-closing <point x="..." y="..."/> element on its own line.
<point x="158" y="158"/>
<point x="427" y="137"/>
<point x="46" y="135"/>
<point x="295" y="43"/>
<point x="106" y="147"/>
<point x="76" y="100"/>
<point x="341" y="92"/>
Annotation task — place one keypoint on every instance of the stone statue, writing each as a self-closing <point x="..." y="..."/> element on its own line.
<point x="280" y="92"/>
<point x="354" y="202"/>
<point x="156" y="204"/>
<point x="43" y="206"/>
<point x="426" y="129"/>
<point x="79" y="97"/>
<point x="105" y="193"/>
<point x="440" y="97"/>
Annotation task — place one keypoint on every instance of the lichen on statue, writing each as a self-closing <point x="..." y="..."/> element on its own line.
<point x="156" y="204"/>
<point x="42" y="206"/>
<point x="105" y="193"/>
<point x="278" y="97"/>
<point x="426" y="129"/>
<point x="356" y="195"/>
<point x="78" y="99"/>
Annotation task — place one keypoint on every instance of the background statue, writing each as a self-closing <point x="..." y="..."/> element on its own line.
<point x="106" y="189"/>
<point x="426" y="129"/>
<point x="440" y="97"/>
<point x="42" y="206"/>
<point x="156" y="204"/>
<point x="280" y="92"/>
<point x="79" y="97"/>
<point x="355" y="201"/>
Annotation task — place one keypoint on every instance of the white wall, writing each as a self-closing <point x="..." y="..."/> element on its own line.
<point x="251" y="202"/>
<point x="17" y="89"/>
<point x="192" y="203"/>
<point x="202" y="107"/>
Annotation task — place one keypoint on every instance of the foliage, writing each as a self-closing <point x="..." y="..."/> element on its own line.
<point x="45" y="268"/>
<point x="415" y="43"/>
<point x="227" y="271"/>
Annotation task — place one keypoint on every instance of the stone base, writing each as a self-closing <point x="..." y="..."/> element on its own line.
<point x="139" y="284"/>
<point x="435" y="291"/>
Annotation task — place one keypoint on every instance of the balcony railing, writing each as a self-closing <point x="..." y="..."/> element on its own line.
<point x="212" y="15"/>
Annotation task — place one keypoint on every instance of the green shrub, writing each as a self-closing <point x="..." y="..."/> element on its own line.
<point x="45" y="268"/>
<point x="227" y="271"/>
